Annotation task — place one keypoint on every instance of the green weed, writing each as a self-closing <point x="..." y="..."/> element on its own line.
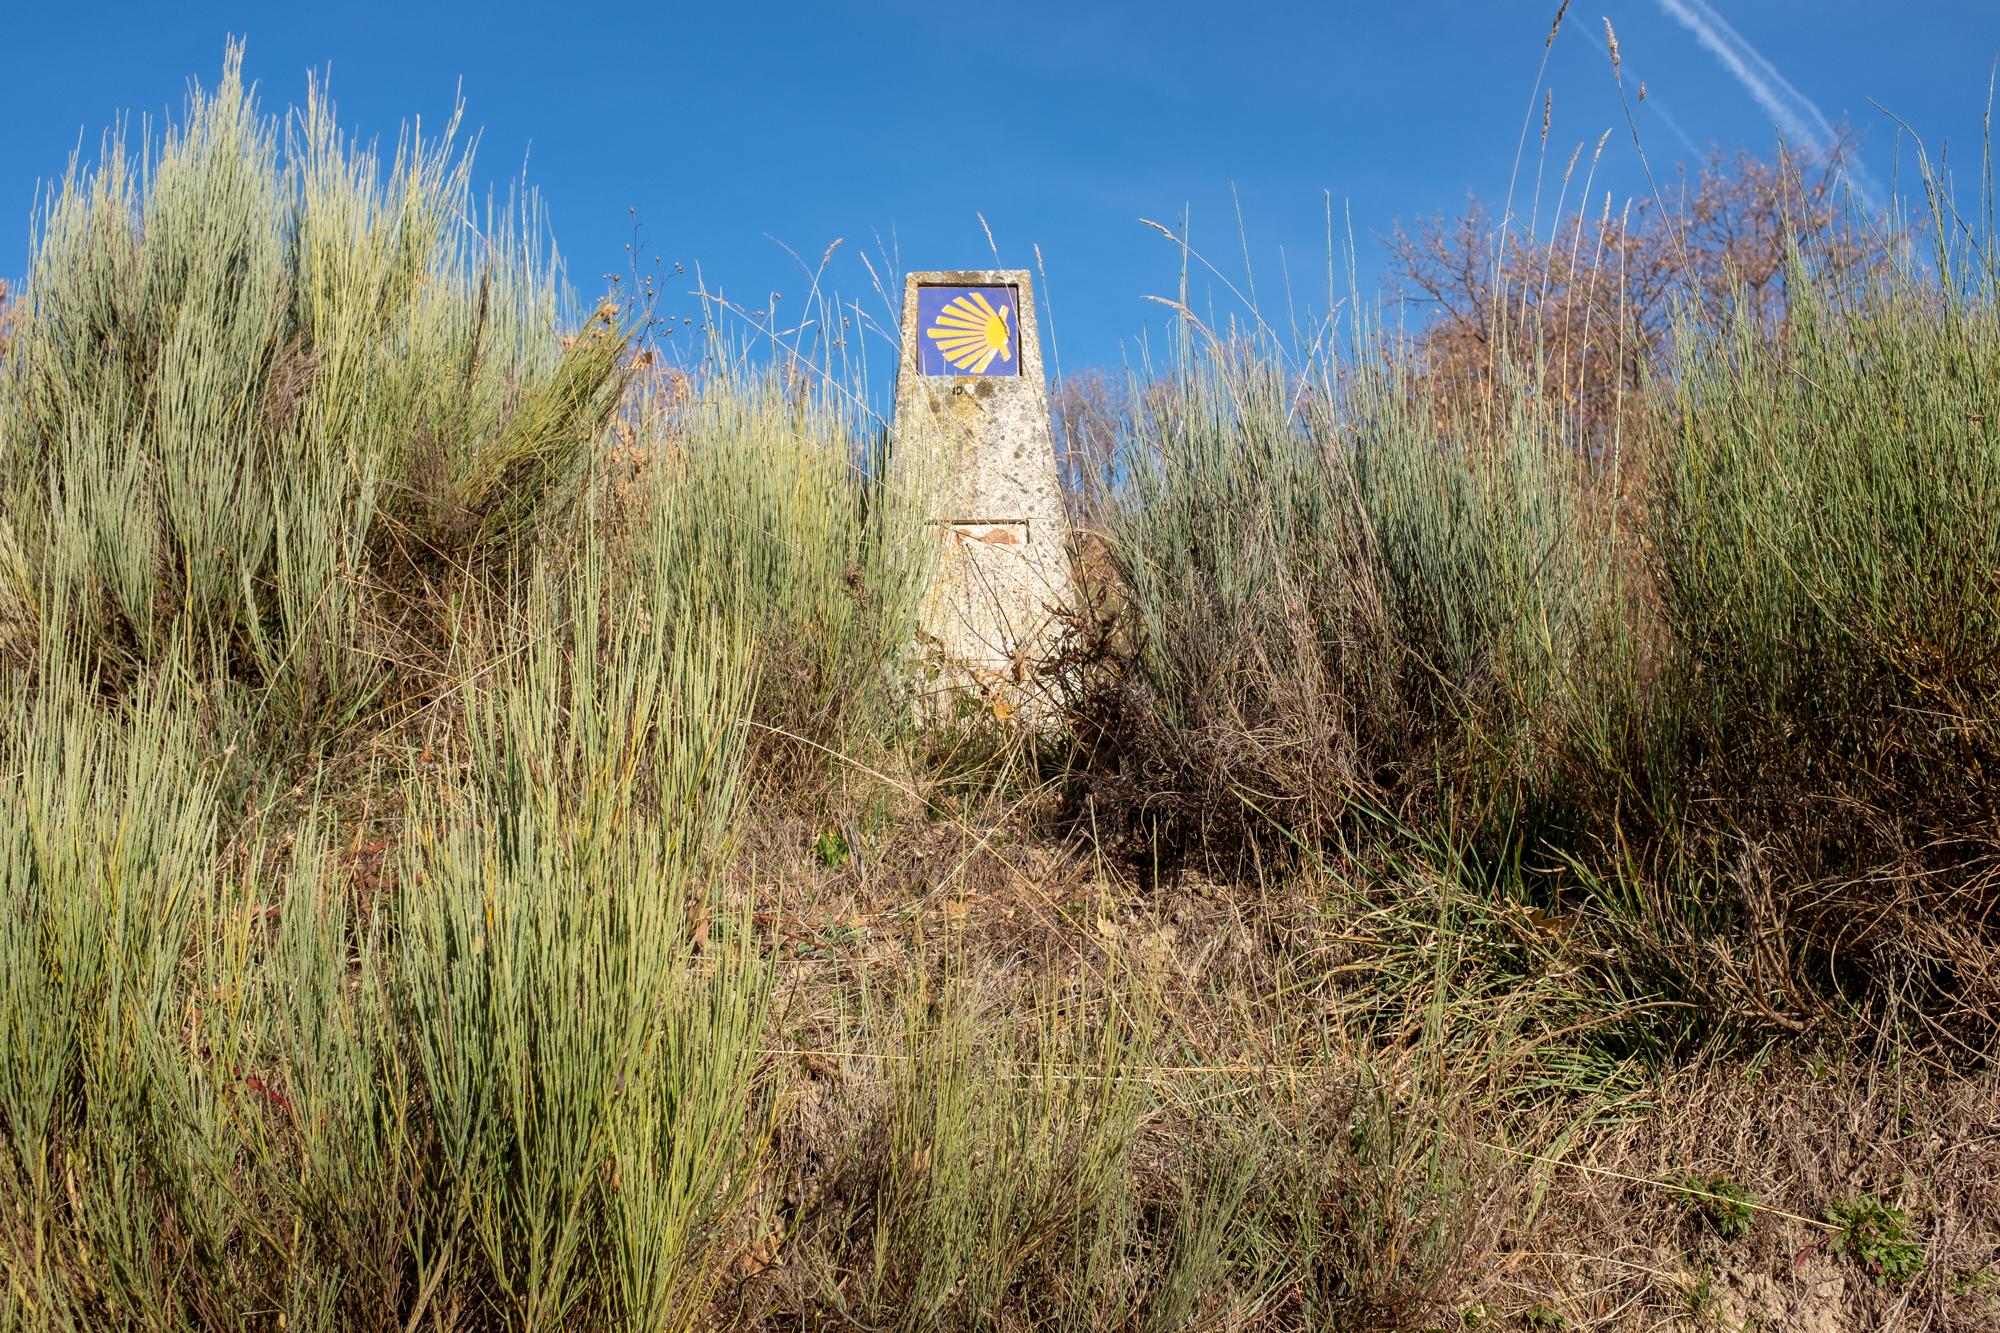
<point x="1878" y="1237"/>
<point x="1725" y="1205"/>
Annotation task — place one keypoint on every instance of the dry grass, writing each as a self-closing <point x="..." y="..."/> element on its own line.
<point x="492" y="877"/>
<point x="1515" y="1162"/>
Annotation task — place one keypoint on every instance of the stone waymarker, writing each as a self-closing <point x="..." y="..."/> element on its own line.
<point x="972" y="419"/>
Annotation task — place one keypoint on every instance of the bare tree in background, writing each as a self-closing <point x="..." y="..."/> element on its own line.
<point x="1594" y="302"/>
<point x="1087" y="411"/>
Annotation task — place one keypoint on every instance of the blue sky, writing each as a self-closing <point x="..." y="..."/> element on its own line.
<point x="731" y="130"/>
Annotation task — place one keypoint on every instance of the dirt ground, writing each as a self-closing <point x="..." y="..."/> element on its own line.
<point x="1585" y="1220"/>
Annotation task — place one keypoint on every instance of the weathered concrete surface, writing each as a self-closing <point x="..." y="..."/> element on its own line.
<point x="983" y="449"/>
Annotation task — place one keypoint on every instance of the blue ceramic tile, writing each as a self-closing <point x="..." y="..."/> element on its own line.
<point x="968" y="331"/>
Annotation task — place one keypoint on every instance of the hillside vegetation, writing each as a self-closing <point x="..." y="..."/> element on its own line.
<point x="477" y="851"/>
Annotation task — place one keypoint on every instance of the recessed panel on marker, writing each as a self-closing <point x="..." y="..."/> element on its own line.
<point x="992" y="532"/>
<point x="968" y="331"/>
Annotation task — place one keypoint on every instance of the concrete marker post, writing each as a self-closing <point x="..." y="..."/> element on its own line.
<point x="972" y="412"/>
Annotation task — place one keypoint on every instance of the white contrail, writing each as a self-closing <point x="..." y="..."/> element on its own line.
<point x="1791" y="110"/>
<point x="1784" y="102"/>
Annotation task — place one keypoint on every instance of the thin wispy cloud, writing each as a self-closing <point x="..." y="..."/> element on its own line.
<point x="1795" y="114"/>
<point x="1654" y="105"/>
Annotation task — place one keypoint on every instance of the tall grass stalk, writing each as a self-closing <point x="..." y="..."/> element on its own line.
<point x="524" y="1090"/>
<point x="106" y="836"/>
<point x="1342" y="598"/>
<point x="259" y="379"/>
<point x="588" y="1069"/>
<point x="769" y="492"/>
<point x="1829" y="572"/>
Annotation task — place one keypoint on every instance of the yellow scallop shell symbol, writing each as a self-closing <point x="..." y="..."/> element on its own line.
<point x="970" y="331"/>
